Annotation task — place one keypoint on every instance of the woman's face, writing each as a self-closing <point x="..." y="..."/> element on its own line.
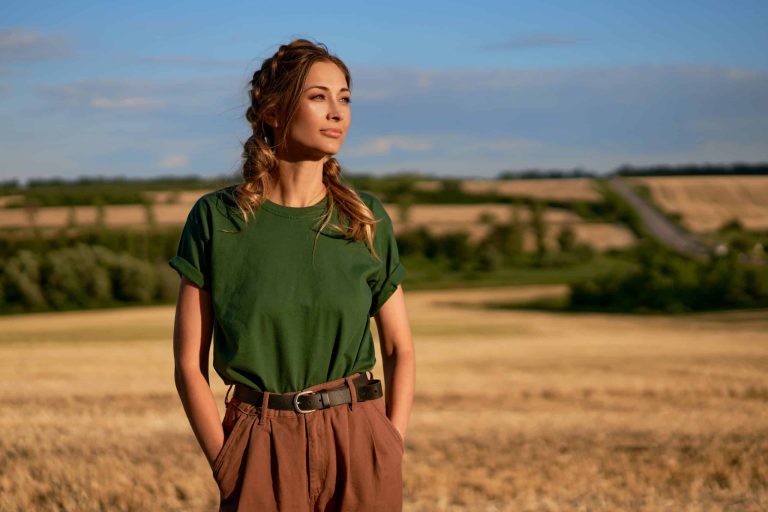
<point x="321" y="121"/>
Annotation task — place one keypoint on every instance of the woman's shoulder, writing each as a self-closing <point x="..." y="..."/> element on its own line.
<point x="223" y="195"/>
<point x="221" y="199"/>
<point x="211" y="197"/>
<point x="374" y="202"/>
<point x="371" y="200"/>
<point x="217" y="208"/>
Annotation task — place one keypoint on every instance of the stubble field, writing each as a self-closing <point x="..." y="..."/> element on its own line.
<point x="170" y="208"/>
<point x="707" y="202"/>
<point x="514" y="410"/>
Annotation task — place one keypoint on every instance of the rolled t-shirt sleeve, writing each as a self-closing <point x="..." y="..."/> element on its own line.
<point x="192" y="259"/>
<point x="391" y="272"/>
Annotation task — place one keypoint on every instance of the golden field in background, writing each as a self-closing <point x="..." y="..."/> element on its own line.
<point x="707" y="202"/>
<point x="566" y="189"/>
<point x="514" y="411"/>
<point x="441" y="219"/>
<point x="170" y="208"/>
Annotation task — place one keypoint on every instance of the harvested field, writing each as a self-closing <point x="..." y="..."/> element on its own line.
<point x="571" y="189"/>
<point x="439" y="219"/>
<point x="707" y="202"/>
<point x="514" y="411"/>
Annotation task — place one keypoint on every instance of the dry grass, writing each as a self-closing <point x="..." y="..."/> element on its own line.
<point x="473" y="213"/>
<point x="514" y="410"/>
<point x="443" y="219"/>
<point x="174" y="196"/>
<point x="131" y="216"/>
<point x="707" y="202"/>
<point x="439" y="219"/>
<point x="570" y="189"/>
<point x="601" y="236"/>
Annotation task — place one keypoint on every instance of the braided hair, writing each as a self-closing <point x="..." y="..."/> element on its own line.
<point x="276" y="88"/>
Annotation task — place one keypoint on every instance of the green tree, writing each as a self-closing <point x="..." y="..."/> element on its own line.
<point x="539" y="228"/>
<point x="101" y="214"/>
<point x="74" y="278"/>
<point x="149" y="212"/>
<point x="22" y="275"/>
<point x="404" y="205"/>
<point x="455" y="247"/>
<point x="566" y="238"/>
<point x="71" y="217"/>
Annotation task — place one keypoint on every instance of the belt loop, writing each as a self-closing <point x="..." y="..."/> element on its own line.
<point x="226" y="397"/>
<point x="352" y="391"/>
<point x="264" y="407"/>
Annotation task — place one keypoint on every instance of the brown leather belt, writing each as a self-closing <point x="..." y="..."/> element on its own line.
<point x="308" y="401"/>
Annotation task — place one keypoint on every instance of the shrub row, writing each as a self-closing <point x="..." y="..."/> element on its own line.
<point x="667" y="282"/>
<point x="82" y="276"/>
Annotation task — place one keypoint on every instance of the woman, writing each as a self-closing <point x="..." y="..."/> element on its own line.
<point x="285" y="271"/>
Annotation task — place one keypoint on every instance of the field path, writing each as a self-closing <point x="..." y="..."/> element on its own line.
<point x="659" y="226"/>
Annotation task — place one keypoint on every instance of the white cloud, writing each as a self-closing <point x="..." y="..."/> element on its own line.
<point x="386" y="144"/>
<point x="20" y="44"/>
<point x="100" y="94"/>
<point x="740" y="74"/>
<point x="176" y="161"/>
<point x="136" y="103"/>
<point x="466" y="120"/>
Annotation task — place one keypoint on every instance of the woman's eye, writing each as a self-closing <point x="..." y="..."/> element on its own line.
<point x="321" y="96"/>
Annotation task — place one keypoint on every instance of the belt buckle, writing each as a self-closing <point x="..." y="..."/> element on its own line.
<point x="296" y="401"/>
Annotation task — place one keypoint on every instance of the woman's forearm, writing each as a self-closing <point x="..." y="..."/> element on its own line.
<point x="200" y="407"/>
<point x="400" y="376"/>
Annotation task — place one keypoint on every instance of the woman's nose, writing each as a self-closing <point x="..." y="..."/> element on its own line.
<point x="335" y="112"/>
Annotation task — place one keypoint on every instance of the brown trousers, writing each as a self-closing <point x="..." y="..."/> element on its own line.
<point x="347" y="457"/>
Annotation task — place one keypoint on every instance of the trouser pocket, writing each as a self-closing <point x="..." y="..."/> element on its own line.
<point x="237" y="424"/>
<point x="232" y="416"/>
<point x="384" y="424"/>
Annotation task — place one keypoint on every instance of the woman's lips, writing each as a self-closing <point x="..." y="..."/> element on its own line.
<point x="332" y="133"/>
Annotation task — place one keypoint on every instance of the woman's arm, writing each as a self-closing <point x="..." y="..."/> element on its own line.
<point x="191" y="343"/>
<point x="398" y="358"/>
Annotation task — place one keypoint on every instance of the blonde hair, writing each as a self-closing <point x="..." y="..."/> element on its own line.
<point x="277" y="87"/>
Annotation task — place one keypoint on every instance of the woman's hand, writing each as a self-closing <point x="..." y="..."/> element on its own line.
<point x="213" y="455"/>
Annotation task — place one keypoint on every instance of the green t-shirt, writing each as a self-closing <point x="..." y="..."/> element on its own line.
<point x="284" y="321"/>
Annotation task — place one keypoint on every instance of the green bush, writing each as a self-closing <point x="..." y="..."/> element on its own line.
<point x="82" y="277"/>
<point x="456" y="249"/>
<point x="73" y="278"/>
<point x="671" y="283"/>
<point x="488" y="258"/>
<point x="23" y="278"/>
<point x="566" y="238"/>
<point x="137" y="280"/>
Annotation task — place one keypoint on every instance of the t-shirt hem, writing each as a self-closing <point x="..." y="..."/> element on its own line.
<point x="186" y="269"/>
<point x="390" y="285"/>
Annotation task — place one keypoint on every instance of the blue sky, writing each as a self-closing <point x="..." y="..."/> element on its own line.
<point x="445" y="88"/>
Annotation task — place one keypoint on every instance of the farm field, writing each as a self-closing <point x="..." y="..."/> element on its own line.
<point x="514" y="411"/>
<point x="442" y="219"/>
<point x="171" y="208"/>
<point x="570" y="189"/>
<point x="707" y="202"/>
